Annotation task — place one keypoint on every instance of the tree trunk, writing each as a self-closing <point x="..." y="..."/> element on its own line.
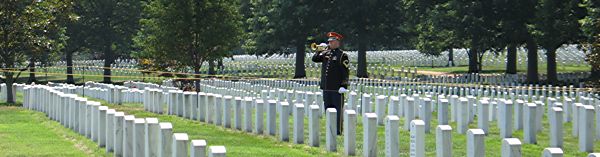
<point x="10" y="99"/>
<point x="361" y="70"/>
<point x="211" y="68"/>
<point x="473" y="60"/>
<point x="32" y="71"/>
<point x="108" y="60"/>
<point x="220" y="67"/>
<point x="480" y="62"/>
<point x="511" y="59"/>
<point x="299" y="70"/>
<point x="450" y="58"/>
<point x="69" y="58"/>
<point x="551" y="66"/>
<point x="532" y="62"/>
<point x="595" y="76"/>
<point x="197" y="76"/>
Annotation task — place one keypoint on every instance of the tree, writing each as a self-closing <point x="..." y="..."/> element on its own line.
<point x="188" y="33"/>
<point x="515" y="15"/>
<point x="111" y="25"/>
<point x="28" y="28"/>
<point x="368" y="24"/>
<point x="593" y="57"/>
<point x="77" y="33"/>
<point x="557" y="24"/>
<point x="477" y="27"/>
<point x="591" y="30"/>
<point x="281" y="27"/>
<point x="433" y="22"/>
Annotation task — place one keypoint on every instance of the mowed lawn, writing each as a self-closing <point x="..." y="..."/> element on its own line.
<point x="237" y="143"/>
<point x="30" y="133"/>
<point x="240" y="143"/>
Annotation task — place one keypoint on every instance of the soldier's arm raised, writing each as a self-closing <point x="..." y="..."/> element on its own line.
<point x="317" y="57"/>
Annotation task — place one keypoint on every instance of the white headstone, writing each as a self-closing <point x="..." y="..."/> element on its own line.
<point x="271" y="117"/>
<point x="139" y="137"/>
<point x="417" y="138"/>
<point x="392" y="136"/>
<point x="180" y="145"/>
<point x="482" y="115"/>
<point x="552" y="152"/>
<point x="370" y="134"/>
<point x="529" y="131"/>
<point x="443" y="112"/>
<point x="128" y="134"/>
<point x="586" y="129"/>
<point x="349" y="132"/>
<point x="462" y="117"/>
<point x="118" y="133"/>
<point x="165" y="140"/>
<point x="152" y="133"/>
<point x="443" y="141"/>
<point x="258" y="118"/>
<point x="284" y="125"/>
<point x="331" y="131"/>
<point x="198" y="148"/>
<point x="511" y="147"/>
<point x="556" y="127"/>
<point x="506" y="119"/>
<point x="313" y="126"/>
<point x="475" y="143"/>
<point x="217" y="151"/>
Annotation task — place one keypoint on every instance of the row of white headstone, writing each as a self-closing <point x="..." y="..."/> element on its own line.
<point x="124" y="135"/>
<point x="248" y="114"/>
<point x="219" y="110"/>
<point x="188" y="104"/>
<point x="498" y="107"/>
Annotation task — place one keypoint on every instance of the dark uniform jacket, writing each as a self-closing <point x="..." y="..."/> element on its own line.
<point x="334" y="70"/>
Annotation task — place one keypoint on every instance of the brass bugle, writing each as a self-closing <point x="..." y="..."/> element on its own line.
<point x="320" y="47"/>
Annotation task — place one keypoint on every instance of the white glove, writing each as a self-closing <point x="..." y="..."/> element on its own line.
<point x="342" y="90"/>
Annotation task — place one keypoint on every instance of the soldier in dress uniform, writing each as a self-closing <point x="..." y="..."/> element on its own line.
<point x="334" y="75"/>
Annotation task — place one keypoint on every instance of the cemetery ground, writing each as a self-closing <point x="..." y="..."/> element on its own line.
<point x="240" y="143"/>
<point x="58" y="76"/>
<point x="500" y="69"/>
<point x="29" y="133"/>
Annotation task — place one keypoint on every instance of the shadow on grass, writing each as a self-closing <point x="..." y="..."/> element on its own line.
<point x="11" y="104"/>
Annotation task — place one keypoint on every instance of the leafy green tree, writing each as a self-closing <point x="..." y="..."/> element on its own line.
<point x="283" y="27"/>
<point x="515" y="15"/>
<point x="76" y="43"/>
<point x="477" y="27"/>
<point x="188" y="33"/>
<point x="369" y="25"/>
<point x="591" y="30"/>
<point x="434" y="23"/>
<point x="557" y="23"/>
<point x="28" y="28"/>
<point x="110" y="26"/>
<point x="593" y="57"/>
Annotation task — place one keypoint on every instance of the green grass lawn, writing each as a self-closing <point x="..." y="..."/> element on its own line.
<point x="28" y="133"/>
<point x="237" y="143"/>
<point x="240" y="143"/>
<point x="497" y="69"/>
<point x="59" y="76"/>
